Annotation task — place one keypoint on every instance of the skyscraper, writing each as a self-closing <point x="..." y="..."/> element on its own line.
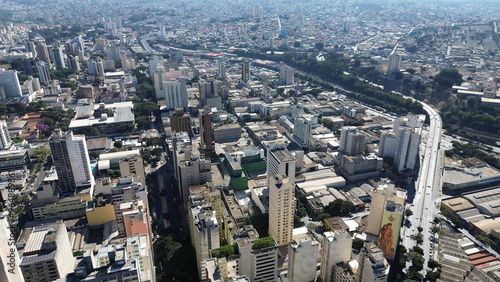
<point x="9" y="260"/>
<point x="210" y="93"/>
<point x="29" y="65"/>
<point x="245" y="70"/>
<point x="10" y="83"/>
<point x="43" y="72"/>
<point x="71" y="158"/>
<point x="206" y="130"/>
<point x="337" y="248"/>
<point x="175" y="94"/>
<point x="393" y="62"/>
<point x="43" y="54"/>
<point x="302" y="129"/>
<point x="302" y="259"/>
<point x="281" y="184"/>
<point x="352" y="142"/>
<point x="5" y="141"/>
<point x="180" y="121"/>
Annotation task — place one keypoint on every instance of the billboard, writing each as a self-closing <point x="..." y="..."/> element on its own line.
<point x="389" y="233"/>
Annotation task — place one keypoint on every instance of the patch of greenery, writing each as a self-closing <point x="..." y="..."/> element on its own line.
<point x="263" y="243"/>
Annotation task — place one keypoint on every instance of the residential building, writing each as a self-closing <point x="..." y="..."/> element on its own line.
<point x="381" y="194"/>
<point x="9" y="258"/>
<point x="210" y="93"/>
<point x="393" y="62"/>
<point x="10" y="84"/>
<point x="71" y="158"/>
<point x="159" y="77"/>
<point x="133" y="166"/>
<point x="352" y="142"/>
<point x="175" y="94"/>
<point x="245" y="70"/>
<point x="373" y="267"/>
<point x="258" y="258"/>
<point x="59" y="61"/>
<point x="337" y="248"/>
<point x="29" y="66"/>
<point x="180" y="121"/>
<point x="302" y="259"/>
<point x="44" y="72"/>
<point x="43" y="54"/>
<point x="302" y="129"/>
<point x="5" y="141"/>
<point x="45" y="252"/>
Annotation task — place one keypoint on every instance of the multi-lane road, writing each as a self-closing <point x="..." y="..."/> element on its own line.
<point x="425" y="204"/>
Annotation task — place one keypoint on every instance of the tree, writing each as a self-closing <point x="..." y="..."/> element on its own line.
<point x="447" y="77"/>
<point x="432" y="276"/>
<point x="319" y="45"/>
<point x="41" y="154"/>
<point x="432" y="264"/>
<point x="268" y="118"/>
<point x="118" y="144"/>
<point x="408" y="212"/>
<point x="17" y="65"/>
<point x="420" y="229"/>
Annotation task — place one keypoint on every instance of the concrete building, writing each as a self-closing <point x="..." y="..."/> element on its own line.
<point x="281" y="184"/>
<point x="302" y="259"/>
<point x="10" y="84"/>
<point x="357" y="168"/>
<point x="9" y="258"/>
<point x="205" y="234"/>
<point x="245" y="70"/>
<point x="227" y="133"/>
<point x="382" y="194"/>
<point x="44" y="72"/>
<point x="286" y="74"/>
<point x="206" y="131"/>
<point x="133" y="166"/>
<point x="159" y="76"/>
<point x="352" y="142"/>
<point x="210" y="93"/>
<point x="29" y="66"/>
<point x="387" y="145"/>
<point x="175" y="94"/>
<point x="135" y="218"/>
<point x="5" y="141"/>
<point x="59" y="61"/>
<point x="180" y="121"/>
<point x="373" y="267"/>
<point x="258" y="259"/>
<point x="302" y="129"/>
<point x="407" y="149"/>
<point x="71" y="158"/>
<point x="393" y="62"/>
<point x="45" y="252"/>
<point x="392" y="218"/>
<point x="337" y="248"/>
<point x="43" y="54"/>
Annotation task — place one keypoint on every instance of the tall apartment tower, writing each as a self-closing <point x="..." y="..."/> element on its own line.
<point x="206" y="129"/>
<point x="393" y="62"/>
<point x="337" y="248"/>
<point x="286" y="74"/>
<point x="175" y="94"/>
<point x="302" y="129"/>
<point x="258" y="262"/>
<point x="373" y="267"/>
<point x="407" y="148"/>
<point x="10" y="83"/>
<point x="380" y="195"/>
<point x="59" y="58"/>
<point x="44" y="72"/>
<point x="210" y="93"/>
<point x="159" y="76"/>
<point x="352" y="142"/>
<point x="302" y="259"/>
<point x="29" y="65"/>
<point x="245" y="70"/>
<point x="180" y="121"/>
<point x="43" y="54"/>
<point x="71" y="158"/>
<point x="281" y="181"/>
<point x="5" y="141"/>
<point x="9" y="260"/>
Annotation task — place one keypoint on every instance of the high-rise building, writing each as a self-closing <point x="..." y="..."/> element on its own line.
<point x="10" y="83"/>
<point x="180" y="121"/>
<point x="258" y="258"/>
<point x="210" y="93"/>
<point x="132" y="166"/>
<point x="245" y="70"/>
<point x="352" y="142"/>
<point x="302" y="129"/>
<point x="373" y="267"/>
<point x="392" y="218"/>
<point x="255" y="11"/>
<point x="73" y="63"/>
<point x="46" y="252"/>
<point x="159" y="76"/>
<point x="387" y="146"/>
<point x="406" y="150"/>
<point x="286" y="74"/>
<point x="71" y="158"/>
<point x="206" y="129"/>
<point x="175" y="94"/>
<point x="302" y="259"/>
<point x="5" y="141"/>
<point x="59" y="58"/>
<point x="43" y="54"/>
<point x="393" y="62"/>
<point x="29" y="66"/>
<point x="382" y="194"/>
<point x="204" y="230"/>
<point x="43" y="72"/>
<point x="281" y="181"/>
<point x="9" y="258"/>
<point x="30" y="47"/>
<point x="337" y="248"/>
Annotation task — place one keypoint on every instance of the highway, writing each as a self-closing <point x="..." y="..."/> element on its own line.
<point x="425" y="205"/>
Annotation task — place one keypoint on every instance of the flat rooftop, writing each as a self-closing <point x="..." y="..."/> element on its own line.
<point x="283" y="155"/>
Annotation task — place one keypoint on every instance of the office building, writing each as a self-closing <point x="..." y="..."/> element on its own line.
<point x="302" y="129"/>
<point x="45" y="252"/>
<point x="281" y="184"/>
<point x="393" y="62"/>
<point x="381" y="194"/>
<point x="286" y="74"/>
<point x="387" y="145"/>
<point x="135" y="218"/>
<point x="357" y="168"/>
<point x="352" y="142"/>
<point x="132" y="166"/>
<point x="373" y="267"/>
<point x="175" y="94"/>
<point x="392" y="217"/>
<point x="59" y="61"/>
<point x="407" y="148"/>
<point x="9" y="258"/>
<point x="302" y="259"/>
<point x="5" y="141"/>
<point x="180" y="121"/>
<point x="227" y="133"/>
<point x="30" y="47"/>
<point x="204" y="229"/>
<point x="245" y="70"/>
<point x="210" y="93"/>
<point x="43" y="54"/>
<point x="206" y="130"/>
<point x="159" y="76"/>
<point x="73" y="63"/>
<point x="10" y="83"/>
<point x="29" y="66"/>
<point x="258" y="258"/>
<point x="71" y="158"/>
<point x="337" y="248"/>
<point x="43" y="72"/>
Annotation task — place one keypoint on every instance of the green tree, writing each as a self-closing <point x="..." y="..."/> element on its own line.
<point x="447" y="77"/>
<point x="41" y="154"/>
<point x="319" y="45"/>
<point x="118" y="144"/>
<point x="432" y="264"/>
<point x="408" y="212"/>
<point x="17" y="65"/>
